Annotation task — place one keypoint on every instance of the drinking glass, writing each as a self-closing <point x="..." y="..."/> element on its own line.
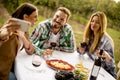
<point x="82" y="50"/>
<point x="36" y="61"/>
<point x="53" y="45"/>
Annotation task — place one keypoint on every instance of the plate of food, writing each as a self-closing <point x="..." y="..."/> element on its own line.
<point x="59" y="64"/>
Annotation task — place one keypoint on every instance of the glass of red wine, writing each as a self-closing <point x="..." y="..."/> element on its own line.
<point x="83" y="47"/>
<point x="53" y="45"/>
<point x="36" y="61"/>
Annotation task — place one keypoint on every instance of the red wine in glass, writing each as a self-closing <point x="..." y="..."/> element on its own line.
<point x="83" y="47"/>
<point x="36" y="60"/>
<point x="81" y="50"/>
<point x="53" y="44"/>
<point x="36" y="63"/>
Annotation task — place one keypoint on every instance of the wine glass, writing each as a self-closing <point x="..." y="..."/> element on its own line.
<point x="82" y="49"/>
<point x="53" y="45"/>
<point x="36" y="61"/>
<point x="49" y="51"/>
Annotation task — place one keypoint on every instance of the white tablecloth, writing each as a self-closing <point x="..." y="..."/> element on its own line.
<point x="25" y="71"/>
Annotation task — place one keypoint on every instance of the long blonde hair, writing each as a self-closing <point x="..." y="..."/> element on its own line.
<point x="88" y="34"/>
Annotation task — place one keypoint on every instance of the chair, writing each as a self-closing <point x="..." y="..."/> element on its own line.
<point x="118" y="73"/>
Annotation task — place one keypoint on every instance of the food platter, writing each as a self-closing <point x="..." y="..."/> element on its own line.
<point x="59" y="64"/>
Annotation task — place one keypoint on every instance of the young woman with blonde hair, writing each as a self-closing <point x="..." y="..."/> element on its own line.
<point x="97" y="38"/>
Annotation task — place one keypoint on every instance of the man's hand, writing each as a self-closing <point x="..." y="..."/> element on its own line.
<point x="47" y="52"/>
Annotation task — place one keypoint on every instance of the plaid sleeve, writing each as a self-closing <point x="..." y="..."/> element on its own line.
<point x="68" y="41"/>
<point x="36" y="34"/>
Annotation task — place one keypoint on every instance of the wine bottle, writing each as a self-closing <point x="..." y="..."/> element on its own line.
<point x="96" y="66"/>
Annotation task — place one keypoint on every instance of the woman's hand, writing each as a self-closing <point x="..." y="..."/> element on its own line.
<point x="20" y="34"/>
<point x="7" y="30"/>
<point x="81" y="49"/>
<point x="105" y="55"/>
<point x="11" y="25"/>
<point x="26" y="42"/>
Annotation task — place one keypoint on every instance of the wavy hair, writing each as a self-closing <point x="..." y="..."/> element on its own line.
<point x="89" y="35"/>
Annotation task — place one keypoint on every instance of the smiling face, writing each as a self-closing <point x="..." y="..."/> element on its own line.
<point x="95" y="24"/>
<point x="59" y="19"/>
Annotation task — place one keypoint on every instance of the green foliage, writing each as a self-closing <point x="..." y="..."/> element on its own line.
<point x="116" y="15"/>
<point x="78" y="6"/>
<point x="48" y="3"/>
<point x="80" y="19"/>
<point x="46" y="12"/>
<point x="10" y="4"/>
<point x="82" y="8"/>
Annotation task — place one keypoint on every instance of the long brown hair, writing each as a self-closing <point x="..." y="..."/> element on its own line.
<point x="88" y="34"/>
<point x="25" y="8"/>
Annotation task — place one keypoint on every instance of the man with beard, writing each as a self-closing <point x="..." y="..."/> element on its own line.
<point x="54" y="33"/>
